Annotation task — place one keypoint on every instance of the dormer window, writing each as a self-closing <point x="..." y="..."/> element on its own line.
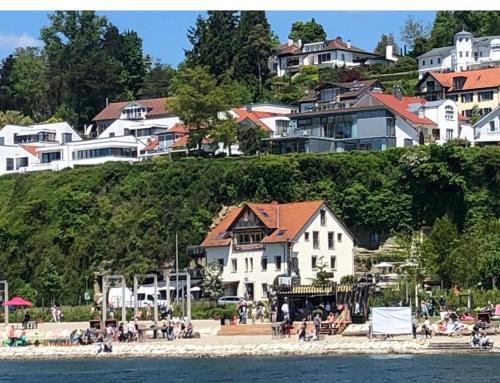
<point x="133" y="112"/>
<point x="458" y="82"/>
<point x="421" y="113"/>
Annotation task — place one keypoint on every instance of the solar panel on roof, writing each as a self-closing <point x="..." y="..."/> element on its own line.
<point x="264" y="213"/>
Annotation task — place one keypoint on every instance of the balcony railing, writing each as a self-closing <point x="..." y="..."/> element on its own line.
<point x="195" y="251"/>
<point x="248" y="247"/>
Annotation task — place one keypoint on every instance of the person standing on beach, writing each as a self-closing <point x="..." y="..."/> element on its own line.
<point x="414" y="325"/>
<point x="148" y="312"/>
<point x="317" y="323"/>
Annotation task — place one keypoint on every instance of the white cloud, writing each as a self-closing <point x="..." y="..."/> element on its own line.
<point x="18" y="41"/>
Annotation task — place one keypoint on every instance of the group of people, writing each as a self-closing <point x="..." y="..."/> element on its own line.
<point x="14" y="339"/>
<point x="57" y="315"/>
<point x="172" y="329"/>
<point x="256" y="312"/>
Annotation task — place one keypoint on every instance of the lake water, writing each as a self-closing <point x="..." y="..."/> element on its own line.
<point x="366" y="369"/>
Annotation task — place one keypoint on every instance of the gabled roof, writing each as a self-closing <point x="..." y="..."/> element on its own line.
<point x="474" y="79"/>
<point x="155" y="106"/>
<point x="255" y="117"/>
<point x="353" y="89"/>
<point x="284" y="220"/>
<point x="401" y="107"/>
<point x="330" y="45"/>
<point x="495" y="112"/>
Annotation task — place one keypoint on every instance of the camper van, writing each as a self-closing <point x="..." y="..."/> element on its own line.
<point x="145" y="295"/>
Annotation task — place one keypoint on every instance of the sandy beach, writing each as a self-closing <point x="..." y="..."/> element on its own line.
<point x="210" y="345"/>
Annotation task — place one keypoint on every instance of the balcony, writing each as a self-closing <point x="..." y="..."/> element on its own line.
<point x="194" y="251"/>
<point x="248" y="247"/>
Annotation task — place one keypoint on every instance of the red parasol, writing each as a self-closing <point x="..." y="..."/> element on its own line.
<point x="17" y="301"/>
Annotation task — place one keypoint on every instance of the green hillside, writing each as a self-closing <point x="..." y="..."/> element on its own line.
<point x="58" y="227"/>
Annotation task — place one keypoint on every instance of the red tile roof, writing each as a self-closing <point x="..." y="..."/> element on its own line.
<point x="155" y="107"/>
<point x="255" y="117"/>
<point x="181" y="142"/>
<point x="401" y="107"/>
<point x="152" y="143"/>
<point x="285" y="220"/>
<point x="178" y="128"/>
<point x="31" y="149"/>
<point x="336" y="43"/>
<point x="474" y="79"/>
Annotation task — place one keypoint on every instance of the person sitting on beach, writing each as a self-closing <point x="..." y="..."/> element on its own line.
<point x="331" y="322"/>
<point x="100" y="344"/>
<point x="189" y="331"/>
<point x="302" y="330"/>
<point x="484" y="341"/>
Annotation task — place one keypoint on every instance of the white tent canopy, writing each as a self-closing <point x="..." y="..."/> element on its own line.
<point x="383" y="265"/>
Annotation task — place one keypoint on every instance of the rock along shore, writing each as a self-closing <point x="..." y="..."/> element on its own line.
<point x="246" y="347"/>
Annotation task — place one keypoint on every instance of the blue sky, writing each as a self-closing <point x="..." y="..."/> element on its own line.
<point x="164" y="32"/>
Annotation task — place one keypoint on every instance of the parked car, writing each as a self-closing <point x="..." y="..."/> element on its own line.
<point x="230" y="299"/>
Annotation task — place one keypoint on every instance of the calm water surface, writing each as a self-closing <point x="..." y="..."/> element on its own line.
<point x="365" y="369"/>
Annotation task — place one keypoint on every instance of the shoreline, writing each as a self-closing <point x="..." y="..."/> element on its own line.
<point x="193" y="350"/>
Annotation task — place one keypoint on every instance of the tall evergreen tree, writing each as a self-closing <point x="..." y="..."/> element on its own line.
<point x="256" y="41"/>
<point x="6" y="90"/>
<point x="214" y="42"/>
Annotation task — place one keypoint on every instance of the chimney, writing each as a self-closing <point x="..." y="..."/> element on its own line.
<point x="290" y="42"/>
<point x="338" y="38"/>
<point x="389" y="52"/>
<point x="396" y="92"/>
<point x="107" y="102"/>
<point x="299" y="43"/>
<point x="348" y="43"/>
<point x="248" y="107"/>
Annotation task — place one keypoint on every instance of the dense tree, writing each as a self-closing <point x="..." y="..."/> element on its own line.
<point x="308" y="32"/>
<point x="197" y="102"/>
<point x="250" y="139"/>
<point x="135" y="210"/>
<point x="437" y="257"/>
<point x="385" y="40"/>
<point x="29" y="82"/>
<point x="13" y="117"/>
<point x="214" y="42"/>
<point x="158" y="81"/>
<point x="6" y="85"/>
<point x="89" y="61"/>
<point x="447" y="23"/>
<point x="224" y="132"/>
<point x="251" y="60"/>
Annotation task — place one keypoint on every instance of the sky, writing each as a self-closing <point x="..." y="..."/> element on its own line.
<point x="164" y="32"/>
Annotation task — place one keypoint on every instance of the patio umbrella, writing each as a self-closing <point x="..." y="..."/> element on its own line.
<point x="17" y="301"/>
<point x="383" y="265"/>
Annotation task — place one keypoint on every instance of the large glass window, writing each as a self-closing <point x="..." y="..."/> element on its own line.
<point x="67" y="137"/>
<point x="21" y="162"/>
<point x="466" y="97"/>
<point x="105" y="152"/>
<point x="486" y="96"/>
<point x="9" y="164"/>
<point x="2" y="141"/>
<point x="49" y="157"/>
<point x="343" y="126"/>
<point x="324" y="57"/>
<point x="449" y="113"/>
<point x="391" y="126"/>
<point x="327" y="94"/>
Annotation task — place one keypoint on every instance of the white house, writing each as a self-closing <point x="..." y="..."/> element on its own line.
<point x="292" y="56"/>
<point x="467" y="52"/>
<point x="487" y="129"/>
<point x="38" y="135"/>
<point x="146" y="109"/>
<point x="88" y="152"/>
<point x="19" y="145"/>
<point x="256" y="243"/>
